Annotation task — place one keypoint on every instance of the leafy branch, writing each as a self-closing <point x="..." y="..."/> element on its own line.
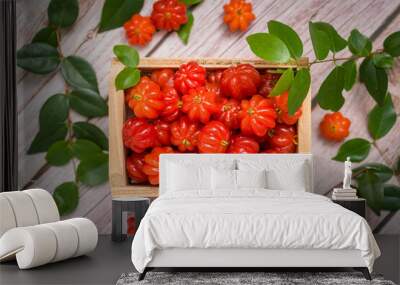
<point x="282" y="44"/>
<point x="59" y="136"/>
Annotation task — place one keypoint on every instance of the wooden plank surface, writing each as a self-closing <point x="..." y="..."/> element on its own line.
<point x="210" y="38"/>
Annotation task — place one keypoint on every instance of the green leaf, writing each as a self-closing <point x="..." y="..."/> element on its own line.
<point x="116" y="12"/>
<point x="94" y="170"/>
<point x="63" y="13"/>
<point x="371" y="188"/>
<point x="88" y="131"/>
<point x="383" y="60"/>
<point x="375" y="79"/>
<point x="357" y="149"/>
<point x="284" y="83"/>
<point x="324" y="37"/>
<point x="59" y="153"/>
<point x="384" y="172"/>
<point x="390" y="203"/>
<point x="391" y="199"/>
<point x="392" y="190"/>
<point x="299" y="90"/>
<point x="85" y="149"/>
<point x="53" y="112"/>
<point x="329" y="95"/>
<point x="288" y="36"/>
<point x="184" y="30"/>
<point x="44" y="139"/>
<point x="268" y="47"/>
<point x="189" y="3"/>
<point x="391" y="44"/>
<point x="359" y="44"/>
<point x="46" y="35"/>
<point x="52" y="126"/>
<point x="336" y="42"/>
<point x="38" y="58"/>
<point x="79" y="73"/>
<point x="128" y="77"/>
<point x="88" y="103"/>
<point x="127" y="55"/>
<point x="320" y="41"/>
<point x="381" y="119"/>
<point x="66" y="197"/>
<point x="350" y="74"/>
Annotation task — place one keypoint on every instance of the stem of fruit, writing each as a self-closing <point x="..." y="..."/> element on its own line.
<point x="69" y="120"/>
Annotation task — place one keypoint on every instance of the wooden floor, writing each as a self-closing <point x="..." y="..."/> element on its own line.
<point x="106" y="264"/>
<point x="210" y="38"/>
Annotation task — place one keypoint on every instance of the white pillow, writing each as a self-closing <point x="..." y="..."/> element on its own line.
<point x="281" y="174"/>
<point x="181" y="177"/>
<point x="292" y="179"/>
<point x="251" y="178"/>
<point x="223" y="179"/>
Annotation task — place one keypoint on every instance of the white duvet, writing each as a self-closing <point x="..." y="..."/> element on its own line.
<point x="250" y="219"/>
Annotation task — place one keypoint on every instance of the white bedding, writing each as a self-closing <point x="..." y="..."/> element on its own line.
<point x="252" y="218"/>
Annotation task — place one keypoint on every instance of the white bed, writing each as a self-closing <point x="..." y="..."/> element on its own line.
<point x="200" y="223"/>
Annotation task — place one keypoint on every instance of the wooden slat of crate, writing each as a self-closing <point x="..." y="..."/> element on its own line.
<point x="117" y="115"/>
<point x="214" y="63"/>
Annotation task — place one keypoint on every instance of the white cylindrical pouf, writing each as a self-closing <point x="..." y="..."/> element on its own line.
<point x="40" y="244"/>
<point x="67" y="239"/>
<point x="23" y="208"/>
<point x="45" y="206"/>
<point x="87" y="235"/>
<point x="36" y="245"/>
<point x="7" y="218"/>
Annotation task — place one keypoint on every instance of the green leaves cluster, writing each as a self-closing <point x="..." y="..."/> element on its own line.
<point x="130" y="75"/>
<point x="372" y="184"/>
<point x="281" y="44"/>
<point x="62" y="139"/>
<point x="371" y="177"/>
<point x="373" y="69"/>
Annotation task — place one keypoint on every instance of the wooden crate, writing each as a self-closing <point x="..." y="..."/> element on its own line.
<point x="120" y="186"/>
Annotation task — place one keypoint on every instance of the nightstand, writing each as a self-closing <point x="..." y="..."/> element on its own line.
<point x="135" y="205"/>
<point x="357" y="205"/>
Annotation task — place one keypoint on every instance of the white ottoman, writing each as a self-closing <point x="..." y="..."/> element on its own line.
<point x="31" y="232"/>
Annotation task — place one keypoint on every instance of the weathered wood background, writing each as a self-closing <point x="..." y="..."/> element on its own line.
<point x="209" y="38"/>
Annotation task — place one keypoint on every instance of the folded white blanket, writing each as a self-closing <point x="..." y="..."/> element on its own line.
<point x="250" y="219"/>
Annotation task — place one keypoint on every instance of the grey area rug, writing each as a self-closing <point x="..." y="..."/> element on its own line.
<point x="233" y="278"/>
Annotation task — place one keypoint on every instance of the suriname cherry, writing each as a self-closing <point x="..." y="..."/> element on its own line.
<point x="169" y="15"/>
<point x="238" y="15"/>
<point x="139" y="30"/>
<point x="334" y="126"/>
